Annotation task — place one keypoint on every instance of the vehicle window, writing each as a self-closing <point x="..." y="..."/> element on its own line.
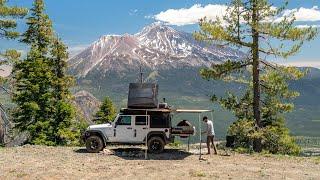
<point x="124" y="120"/>
<point x="141" y="120"/>
<point x="161" y="120"/>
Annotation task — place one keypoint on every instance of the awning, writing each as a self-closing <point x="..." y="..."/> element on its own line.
<point x="192" y="110"/>
<point x="171" y="110"/>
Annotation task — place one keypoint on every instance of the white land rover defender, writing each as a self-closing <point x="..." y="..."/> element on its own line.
<point x="145" y="121"/>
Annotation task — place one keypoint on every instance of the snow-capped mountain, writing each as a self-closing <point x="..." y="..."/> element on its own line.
<point x="156" y="47"/>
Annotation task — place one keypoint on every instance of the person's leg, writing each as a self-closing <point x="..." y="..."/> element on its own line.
<point x="208" y="144"/>
<point x="214" y="145"/>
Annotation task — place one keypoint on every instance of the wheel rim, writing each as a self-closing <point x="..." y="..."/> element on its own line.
<point x="155" y="146"/>
<point x="94" y="144"/>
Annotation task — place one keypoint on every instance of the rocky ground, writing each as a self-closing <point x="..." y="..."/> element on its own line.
<point x="40" y="162"/>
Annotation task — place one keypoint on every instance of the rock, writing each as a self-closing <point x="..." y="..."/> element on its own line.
<point x="107" y="152"/>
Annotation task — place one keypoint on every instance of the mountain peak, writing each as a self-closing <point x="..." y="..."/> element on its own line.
<point x="157" y="46"/>
<point x="156" y="27"/>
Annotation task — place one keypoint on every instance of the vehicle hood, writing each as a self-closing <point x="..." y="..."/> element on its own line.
<point x="99" y="126"/>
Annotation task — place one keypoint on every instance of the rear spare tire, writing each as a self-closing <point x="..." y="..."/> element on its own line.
<point x="156" y="145"/>
<point x="94" y="144"/>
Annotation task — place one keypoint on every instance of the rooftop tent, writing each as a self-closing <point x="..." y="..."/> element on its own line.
<point x="143" y="95"/>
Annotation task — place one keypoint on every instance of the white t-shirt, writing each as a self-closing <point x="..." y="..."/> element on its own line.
<point x="210" y="129"/>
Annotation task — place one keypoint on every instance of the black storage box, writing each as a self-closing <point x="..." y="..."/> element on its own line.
<point x="143" y="96"/>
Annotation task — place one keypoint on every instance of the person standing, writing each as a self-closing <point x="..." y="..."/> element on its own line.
<point x="210" y="135"/>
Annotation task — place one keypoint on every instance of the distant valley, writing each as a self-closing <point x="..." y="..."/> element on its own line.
<point x="173" y="59"/>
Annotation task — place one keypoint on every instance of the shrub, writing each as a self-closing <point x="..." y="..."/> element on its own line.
<point x="275" y="138"/>
<point x="242" y="130"/>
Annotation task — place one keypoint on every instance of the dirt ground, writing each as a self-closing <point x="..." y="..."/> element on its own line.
<point x="39" y="162"/>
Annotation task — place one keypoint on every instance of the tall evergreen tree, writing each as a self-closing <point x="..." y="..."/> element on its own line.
<point x="252" y="25"/>
<point x="64" y="114"/>
<point x="41" y="91"/>
<point x="59" y="63"/>
<point x="40" y="32"/>
<point x="33" y="96"/>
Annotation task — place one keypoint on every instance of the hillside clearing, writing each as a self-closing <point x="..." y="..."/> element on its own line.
<point x="34" y="162"/>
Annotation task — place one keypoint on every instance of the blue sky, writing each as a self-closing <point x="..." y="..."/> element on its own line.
<point x="79" y="23"/>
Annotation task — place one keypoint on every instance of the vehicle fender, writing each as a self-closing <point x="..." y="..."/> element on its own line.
<point x="88" y="133"/>
<point x="157" y="133"/>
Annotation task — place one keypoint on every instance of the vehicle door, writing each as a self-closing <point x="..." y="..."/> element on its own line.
<point x="123" y="131"/>
<point x="140" y="127"/>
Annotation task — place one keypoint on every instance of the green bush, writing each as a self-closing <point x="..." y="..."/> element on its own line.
<point x="73" y="136"/>
<point x="278" y="141"/>
<point x="243" y="131"/>
<point x="274" y="138"/>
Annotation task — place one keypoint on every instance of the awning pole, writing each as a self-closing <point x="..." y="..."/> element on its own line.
<point x="188" y="143"/>
<point x="147" y="129"/>
<point x="212" y="116"/>
<point x="200" y="135"/>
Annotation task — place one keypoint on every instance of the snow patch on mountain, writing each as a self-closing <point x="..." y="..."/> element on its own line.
<point x="156" y="47"/>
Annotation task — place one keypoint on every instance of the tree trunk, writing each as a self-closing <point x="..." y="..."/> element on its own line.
<point x="1" y="134"/>
<point x="255" y="66"/>
<point x="257" y="146"/>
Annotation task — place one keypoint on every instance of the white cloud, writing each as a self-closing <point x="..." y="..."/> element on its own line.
<point x="304" y="14"/>
<point x="307" y="26"/>
<point x="191" y="15"/>
<point x="315" y="64"/>
<point x="186" y="16"/>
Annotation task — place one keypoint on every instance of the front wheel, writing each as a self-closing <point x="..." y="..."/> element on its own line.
<point x="94" y="144"/>
<point x="156" y="145"/>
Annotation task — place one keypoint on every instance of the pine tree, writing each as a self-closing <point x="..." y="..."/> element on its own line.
<point x="252" y="25"/>
<point x="106" y="113"/>
<point x="39" y="32"/>
<point x="64" y="115"/>
<point x="34" y="97"/>
<point x="42" y="86"/>
<point x="59" y="63"/>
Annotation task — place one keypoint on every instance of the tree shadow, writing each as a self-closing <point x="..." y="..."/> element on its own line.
<point x="82" y="150"/>
<point x="139" y="154"/>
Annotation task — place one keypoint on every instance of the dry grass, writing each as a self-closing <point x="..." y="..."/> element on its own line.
<point x="39" y="162"/>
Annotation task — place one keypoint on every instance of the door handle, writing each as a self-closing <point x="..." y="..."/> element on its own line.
<point x="144" y="128"/>
<point x="129" y="127"/>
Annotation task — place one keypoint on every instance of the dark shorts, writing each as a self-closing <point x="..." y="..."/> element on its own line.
<point x="210" y="139"/>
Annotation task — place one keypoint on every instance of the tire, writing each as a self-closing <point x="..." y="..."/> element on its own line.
<point x="156" y="145"/>
<point x="94" y="144"/>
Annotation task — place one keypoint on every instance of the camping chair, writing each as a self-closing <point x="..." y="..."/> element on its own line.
<point x="230" y="143"/>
